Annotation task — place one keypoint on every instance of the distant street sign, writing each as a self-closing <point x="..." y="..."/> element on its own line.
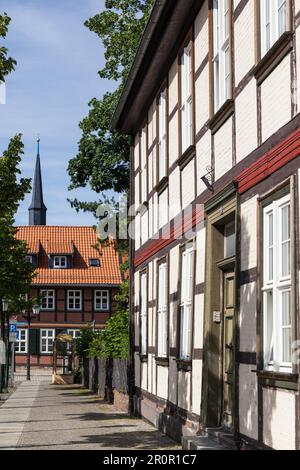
<point x="12" y="327"/>
<point x="13" y="337"/>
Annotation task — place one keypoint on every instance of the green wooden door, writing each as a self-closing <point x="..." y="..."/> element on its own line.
<point x="228" y="347"/>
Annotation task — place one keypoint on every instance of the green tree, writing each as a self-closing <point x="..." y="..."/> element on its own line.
<point x="113" y="341"/>
<point x="7" y="64"/>
<point x="15" y="272"/>
<point x="102" y="160"/>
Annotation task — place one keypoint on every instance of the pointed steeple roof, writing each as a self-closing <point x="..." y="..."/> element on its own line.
<point x="37" y="209"/>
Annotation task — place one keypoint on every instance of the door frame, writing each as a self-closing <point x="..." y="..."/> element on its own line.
<point x="221" y="209"/>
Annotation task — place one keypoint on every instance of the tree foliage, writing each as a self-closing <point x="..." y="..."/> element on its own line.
<point x="7" y="64"/>
<point x="113" y="341"/>
<point x="15" y="272"/>
<point x="102" y="160"/>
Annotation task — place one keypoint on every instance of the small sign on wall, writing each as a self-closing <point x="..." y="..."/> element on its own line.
<point x="217" y="317"/>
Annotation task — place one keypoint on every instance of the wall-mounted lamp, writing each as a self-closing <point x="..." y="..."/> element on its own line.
<point x="208" y="179"/>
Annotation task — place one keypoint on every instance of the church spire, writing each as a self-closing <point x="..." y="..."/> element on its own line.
<point x="37" y="209"/>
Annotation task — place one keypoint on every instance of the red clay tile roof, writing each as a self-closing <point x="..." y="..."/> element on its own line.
<point x="81" y="242"/>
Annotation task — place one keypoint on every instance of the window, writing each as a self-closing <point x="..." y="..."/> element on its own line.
<point x="273" y="15"/>
<point x="162" y="312"/>
<point x="94" y="262"/>
<point x="143" y="315"/>
<point x="186" y="283"/>
<point x="21" y="343"/>
<point x="29" y="259"/>
<point x="186" y="98"/>
<point x="48" y="299"/>
<point x="277" y="285"/>
<point x="101" y="300"/>
<point x="162" y="135"/>
<point x="60" y="262"/>
<point x="221" y="52"/>
<point x="229" y="240"/>
<point x="74" y="300"/>
<point x="47" y="338"/>
<point x="143" y="144"/>
<point x="74" y="333"/>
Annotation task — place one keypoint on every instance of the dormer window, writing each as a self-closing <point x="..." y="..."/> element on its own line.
<point x="94" y="262"/>
<point x="60" y="262"/>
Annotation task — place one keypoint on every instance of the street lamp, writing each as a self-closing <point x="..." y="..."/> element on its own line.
<point x="28" y="315"/>
<point x="4" y="305"/>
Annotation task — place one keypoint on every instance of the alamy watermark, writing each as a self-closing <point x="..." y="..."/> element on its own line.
<point x="123" y="222"/>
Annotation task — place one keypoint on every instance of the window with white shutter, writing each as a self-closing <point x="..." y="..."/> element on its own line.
<point x="186" y="286"/>
<point x="221" y="52"/>
<point x="143" y="315"/>
<point x="162" y="311"/>
<point x="276" y="289"/>
<point x="273" y="16"/>
<point x="186" y="98"/>
<point x="162" y="135"/>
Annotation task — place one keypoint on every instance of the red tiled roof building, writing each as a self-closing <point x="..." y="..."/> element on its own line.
<point x="76" y="278"/>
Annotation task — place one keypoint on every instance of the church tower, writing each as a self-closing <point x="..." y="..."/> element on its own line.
<point x="37" y="209"/>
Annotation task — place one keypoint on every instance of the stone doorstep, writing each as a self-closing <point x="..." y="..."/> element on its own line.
<point x="211" y="439"/>
<point x="202" y="443"/>
<point x="222" y="436"/>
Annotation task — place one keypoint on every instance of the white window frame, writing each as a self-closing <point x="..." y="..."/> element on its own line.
<point x="144" y="314"/>
<point x="186" y="303"/>
<point x="20" y="341"/>
<point x="58" y="262"/>
<point x="47" y="295"/>
<point x="270" y="19"/>
<point x="98" y="299"/>
<point x="275" y="284"/>
<point x="162" y="135"/>
<point x="48" y="337"/>
<point x="144" y="153"/>
<point x="222" y="66"/>
<point x="72" y="297"/>
<point x="186" y="97"/>
<point x="162" y="310"/>
<point x="73" y="332"/>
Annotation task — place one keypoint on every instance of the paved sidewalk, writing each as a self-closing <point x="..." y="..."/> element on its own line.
<point x="40" y="416"/>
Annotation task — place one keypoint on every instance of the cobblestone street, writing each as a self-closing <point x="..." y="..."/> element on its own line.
<point x="40" y="416"/>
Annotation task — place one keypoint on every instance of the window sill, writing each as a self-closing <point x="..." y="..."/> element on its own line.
<point x="221" y="116"/>
<point x="273" y="57"/>
<point x="162" y="185"/>
<point x="186" y="157"/>
<point x="183" y="365"/>
<point x="162" y="361"/>
<point x="282" y="380"/>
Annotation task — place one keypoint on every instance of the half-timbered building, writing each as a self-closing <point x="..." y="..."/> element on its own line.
<point x="212" y="108"/>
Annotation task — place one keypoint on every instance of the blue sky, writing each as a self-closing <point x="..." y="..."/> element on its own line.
<point x="58" y="59"/>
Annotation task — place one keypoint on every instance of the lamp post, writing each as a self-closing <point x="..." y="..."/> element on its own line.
<point x="28" y="315"/>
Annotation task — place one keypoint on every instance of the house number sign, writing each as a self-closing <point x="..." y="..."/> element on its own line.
<point x="217" y="317"/>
